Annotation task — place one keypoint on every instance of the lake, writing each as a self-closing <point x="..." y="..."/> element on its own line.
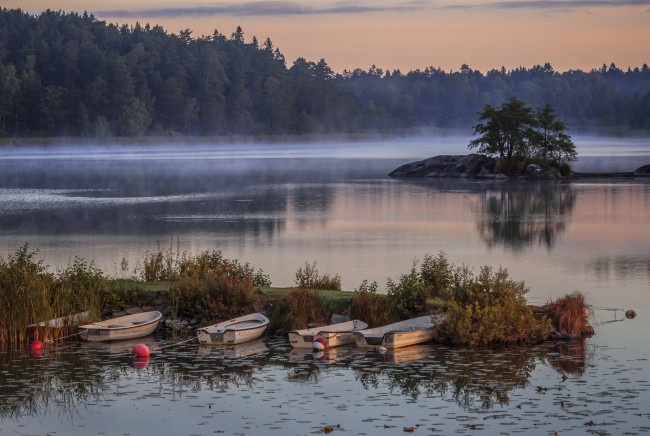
<point x="278" y="206"/>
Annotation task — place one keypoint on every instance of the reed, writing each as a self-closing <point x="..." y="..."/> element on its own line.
<point x="370" y="306"/>
<point x="304" y="307"/>
<point x="569" y="314"/>
<point x="24" y="295"/>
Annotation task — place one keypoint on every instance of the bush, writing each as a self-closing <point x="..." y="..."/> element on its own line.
<point x="167" y="265"/>
<point x="213" y="295"/>
<point x="490" y="309"/>
<point x="117" y="294"/>
<point x="407" y="298"/>
<point x="436" y="274"/>
<point x="308" y="278"/>
<point x="371" y="307"/>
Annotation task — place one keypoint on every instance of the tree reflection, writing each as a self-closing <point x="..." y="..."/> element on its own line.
<point x="525" y="214"/>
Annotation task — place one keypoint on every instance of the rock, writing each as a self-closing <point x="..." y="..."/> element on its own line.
<point x="643" y="171"/>
<point x="134" y="310"/>
<point x="467" y="166"/>
<point x="470" y="165"/>
<point x="337" y="318"/>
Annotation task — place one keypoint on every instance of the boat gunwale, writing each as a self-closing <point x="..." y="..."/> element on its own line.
<point x="103" y="325"/>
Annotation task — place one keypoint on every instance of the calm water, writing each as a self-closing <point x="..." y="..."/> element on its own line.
<point x="279" y="206"/>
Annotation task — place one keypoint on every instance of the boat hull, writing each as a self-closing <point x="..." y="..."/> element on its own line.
<point x="58" y="328"/>
<point x="121" y="328"/>
<point x="235" y="331"/>
<point x="334" y="335"/>
<point x="401" y="334"/>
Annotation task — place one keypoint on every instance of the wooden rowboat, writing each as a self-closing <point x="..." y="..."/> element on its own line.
<point x="400" y="334"/>
<point x="122" y="327"/>
<point x="58" y="327"/>
<point x="234" y="331"/>
<point x="334" y="335"/>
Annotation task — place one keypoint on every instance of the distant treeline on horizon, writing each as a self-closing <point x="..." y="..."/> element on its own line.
<point x="73" y="75"/>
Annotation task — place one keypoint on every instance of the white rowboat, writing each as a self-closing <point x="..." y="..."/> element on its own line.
<point x="400" y="334"/>
<point x="334" y="335"/>
<point x="122" y="327"/>
<point x="234" y="331"/>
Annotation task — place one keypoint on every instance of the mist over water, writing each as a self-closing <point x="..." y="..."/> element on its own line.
<point x="278" y="206"/>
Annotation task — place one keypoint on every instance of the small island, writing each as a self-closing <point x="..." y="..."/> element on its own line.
<point x="514" y="142"/>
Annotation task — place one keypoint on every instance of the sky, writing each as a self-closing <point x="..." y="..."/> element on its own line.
<point x="405" y="35"/>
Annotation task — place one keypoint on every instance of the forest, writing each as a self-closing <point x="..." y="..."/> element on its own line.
<point x="70" y="74"/>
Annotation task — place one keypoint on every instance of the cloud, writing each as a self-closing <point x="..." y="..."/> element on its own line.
<point x="278" y="8"/>
<point x="262" y="8"/>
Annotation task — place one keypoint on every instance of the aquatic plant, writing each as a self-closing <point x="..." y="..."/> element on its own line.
<point x="309" y="278"/>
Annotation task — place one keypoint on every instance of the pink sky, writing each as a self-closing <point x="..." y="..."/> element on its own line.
<point x="407" y="35"/>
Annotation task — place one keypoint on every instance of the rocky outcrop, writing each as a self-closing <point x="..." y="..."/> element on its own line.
<point x="643" y="171"/>
<point x="471" y="165"/>
<point x="466" y="166"/>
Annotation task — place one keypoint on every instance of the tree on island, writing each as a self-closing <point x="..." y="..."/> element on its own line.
<point x="516" y="133"/>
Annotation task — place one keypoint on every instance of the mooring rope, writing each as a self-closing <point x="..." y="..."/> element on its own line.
<point x="46" y="341"/>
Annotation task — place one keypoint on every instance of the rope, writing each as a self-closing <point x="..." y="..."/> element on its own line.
<point x="173" y="345"/>
<point x="46" y="341"/>
<point x="606" y="308"/>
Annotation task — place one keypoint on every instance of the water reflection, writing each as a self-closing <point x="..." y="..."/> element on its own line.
<point x="522" y="215"/>
<point x="71" y="378"/>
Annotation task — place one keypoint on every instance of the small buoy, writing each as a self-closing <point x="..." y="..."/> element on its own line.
<point x="36" y="348"/>
<point x="319" y="345"/>
<point x="320" y="355"/>
<point x="381" y="349"/>
<point x="630" y="314"/>
<point x="36" y="345"/>
<point x="140" y="362"/>
<point x="140" y="350"/>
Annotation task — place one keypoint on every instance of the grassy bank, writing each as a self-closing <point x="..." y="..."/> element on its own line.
<point x="484" y="309"/>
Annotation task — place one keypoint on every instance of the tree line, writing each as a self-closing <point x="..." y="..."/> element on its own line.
<point x="72" y="74"/>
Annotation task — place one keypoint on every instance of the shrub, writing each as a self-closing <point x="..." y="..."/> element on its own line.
<point x="436" y="274"/>
<point x="490" y="309"/>
<point x="117" y="294"/>
<point x="308" y="278"/>
<point x="167" y="265"/>
<point x="407" y="298"/>
<point x="213" y="295"/>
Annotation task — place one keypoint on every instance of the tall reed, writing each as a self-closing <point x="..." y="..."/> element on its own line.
<point x="29" y="295"/>
<point x="24" y="294"/>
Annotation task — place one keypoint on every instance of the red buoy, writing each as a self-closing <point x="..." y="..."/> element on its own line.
<point x="140" y="362"/>
<point x="319" y="344"/>
<point x="140" y="350"/>
<point x="36" y="348"/>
